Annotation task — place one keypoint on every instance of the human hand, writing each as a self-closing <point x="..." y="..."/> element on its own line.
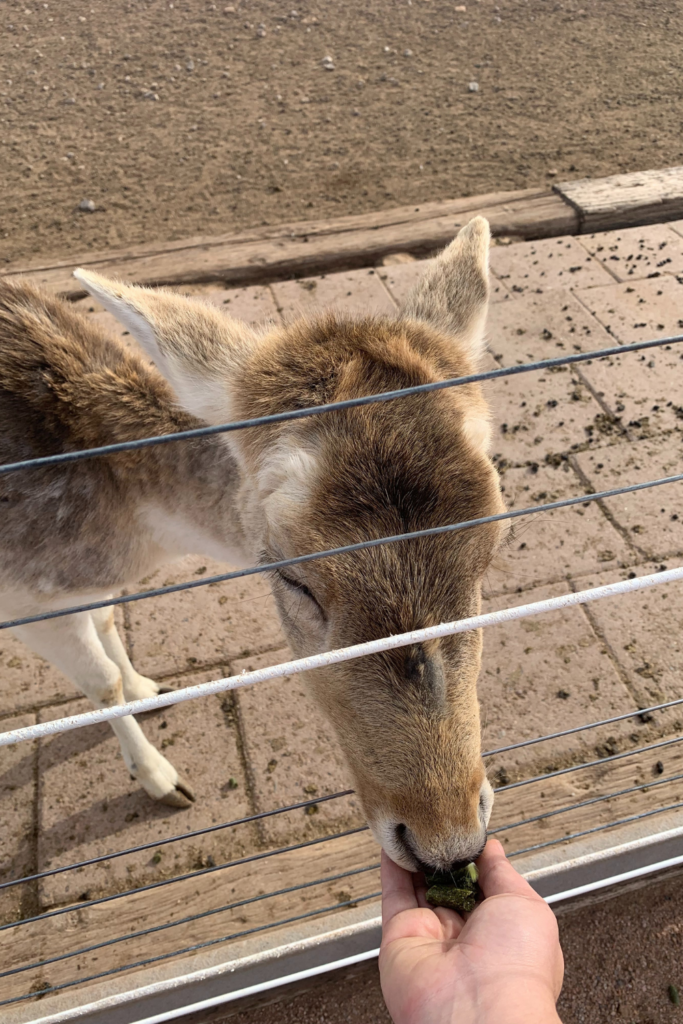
<point x="502" y="965"/>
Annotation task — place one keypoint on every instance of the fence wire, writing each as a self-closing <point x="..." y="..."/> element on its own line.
<point x="349" y="403"/>
<point x="389" y="643"/>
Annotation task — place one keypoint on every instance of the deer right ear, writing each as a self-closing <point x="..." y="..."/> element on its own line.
<point x="453" y="295"/>
<point x="196" y="347"/>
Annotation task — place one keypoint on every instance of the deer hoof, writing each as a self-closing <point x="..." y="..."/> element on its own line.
<point x="182" y="795"/>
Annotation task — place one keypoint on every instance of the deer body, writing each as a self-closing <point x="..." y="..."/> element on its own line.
<point x="408" y="720"/>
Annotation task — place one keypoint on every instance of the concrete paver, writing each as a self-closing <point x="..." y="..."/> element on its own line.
<point x="552" y="545"/>
<point x="89" y="805"/>
<point x="27" y="681"/>
<point x="546" y="264"/>
<point x="355" y="291"/>
<point x="638" y="310"/>
<point x="17" y="815"/>
<point x="541" y="675"/>
<point x="293" y="755"/>
<point x="652" y="519"/>
<point x="640" y="389"/>
<point x="644" y="632"/>
<point x="254" y="304"/>
<point x="637" y="253"/>
<point x="206" y="626"/>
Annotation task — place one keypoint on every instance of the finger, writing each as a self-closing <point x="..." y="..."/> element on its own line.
<point x="497" y="875"/>
<point x="398" y="890"/>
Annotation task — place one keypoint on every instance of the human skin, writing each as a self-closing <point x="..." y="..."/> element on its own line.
<point x="501" y="964"/>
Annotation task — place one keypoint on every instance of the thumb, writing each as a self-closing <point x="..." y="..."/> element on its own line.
<point x="497" y="876"/>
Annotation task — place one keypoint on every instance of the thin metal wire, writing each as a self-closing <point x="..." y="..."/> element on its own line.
<point x="191" y="949"/>
<point x="187" y="920"/>
<point x="434" y="531"/>
<point x="349" y="403"/>
<point x="598" y="828"/>
<point x="338" y="656"/>
<point x="588" y="764"/>
<point x="583" y="803"/>
<point x="174" y="839"/>
<point x="583" y="728"/>
<point x="180" y="878"/>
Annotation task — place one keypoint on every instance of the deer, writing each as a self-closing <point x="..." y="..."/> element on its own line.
<point x="408" y="719"/>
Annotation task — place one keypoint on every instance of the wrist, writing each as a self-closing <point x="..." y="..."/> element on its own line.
<point x="521" y="1001"/>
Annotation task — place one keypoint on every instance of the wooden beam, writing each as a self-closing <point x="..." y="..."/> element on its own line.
<point x="314" y="247"/>
<point x="626" y="200"/>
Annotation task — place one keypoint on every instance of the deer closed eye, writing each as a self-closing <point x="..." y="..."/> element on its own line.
<point x="297" y="586"/>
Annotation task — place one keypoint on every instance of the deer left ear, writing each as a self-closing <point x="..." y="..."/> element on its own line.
<point x="453" y="295"/>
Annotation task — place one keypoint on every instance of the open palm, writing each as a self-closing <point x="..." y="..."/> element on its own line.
<point x="503" y="964"/>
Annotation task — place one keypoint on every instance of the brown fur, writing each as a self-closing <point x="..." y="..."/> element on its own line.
<point x="407" y="720"/>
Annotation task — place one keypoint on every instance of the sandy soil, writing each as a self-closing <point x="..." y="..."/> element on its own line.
<point x="627" y="980"/>
<point x="184" y="117"/>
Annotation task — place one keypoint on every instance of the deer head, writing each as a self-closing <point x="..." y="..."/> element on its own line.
<point x="408" y="720"/>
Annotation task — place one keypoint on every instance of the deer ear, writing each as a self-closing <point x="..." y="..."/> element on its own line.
<point x="197" y="348"/>
<point x="453" y="295"/>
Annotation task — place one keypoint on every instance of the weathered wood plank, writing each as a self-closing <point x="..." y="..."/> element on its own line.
<point x="315" y="247"/>
<point x="25" y="944"/>
<point x="626" y="200"/>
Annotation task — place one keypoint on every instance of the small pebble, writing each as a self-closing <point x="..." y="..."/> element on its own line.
<point x="190" y="65"/>
<point x="461" y="9"/>
<point x="473" y="87"/>
<point x="407" y="53"/>
<point x="328" y="64"/>
<point x="87" y="206"/>
<point x="261" y="31"/>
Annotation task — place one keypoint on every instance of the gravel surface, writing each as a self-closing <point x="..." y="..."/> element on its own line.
<point x="174" y="118"/>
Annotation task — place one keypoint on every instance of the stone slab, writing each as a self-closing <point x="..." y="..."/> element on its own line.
<point x="293" y="755"/>
<point x="644" y="632"/>
<point x="638" y="310"/>
<point x="356" y="291"/>
<point x="541" y="675"/>
<point x="552" y="545"/>
<point x="26" y="680"/>
<point x="652" y="519"/>
<point x="637" y="253"/>
<point x="254" y="305"/>
<point x="17" y="820"/>
<point x="546" y="264"/>
<point x="90" y="806"/>
<point x="206" y="626"/>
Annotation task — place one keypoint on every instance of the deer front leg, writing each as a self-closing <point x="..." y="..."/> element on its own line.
<point x="73" y="646"/>
<point x="135" y="686"/>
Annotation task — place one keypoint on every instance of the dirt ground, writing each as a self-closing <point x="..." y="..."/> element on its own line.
<point x="184" y="117"/>
<point x="605" y="980"/>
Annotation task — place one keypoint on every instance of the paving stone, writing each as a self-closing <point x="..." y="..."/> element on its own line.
<point x="637" y="253"/>
<point x="17" y="816"/>
<point x="355" y="291"/>
<point x="638" y="310"/>
<point x="541" y="675"/>
<point x="644" y="631"/>
<point x="293" y="755"/>
<point x="552" y="545"/>
<point x="677" y="226"/>
<point x="543" y="327"/>
<point x="541" y="413"/>
<point x="400" y="278"/>
<point x="652" y="518"/>
<point x="545" y="264"/>
<point x="205" y="626"/>
<point x="639" y="388"/>
<point x="254" y="304"/>
<point x="89" y="805"/>
<point x="27" y="681"/>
